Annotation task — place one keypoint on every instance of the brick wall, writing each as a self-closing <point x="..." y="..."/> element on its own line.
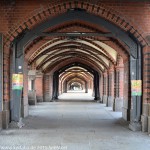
<point x="25" y="14"/>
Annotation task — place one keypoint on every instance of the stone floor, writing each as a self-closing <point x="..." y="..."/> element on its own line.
<point x="73" y="125"/>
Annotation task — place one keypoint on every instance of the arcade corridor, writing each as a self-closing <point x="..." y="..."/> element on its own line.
<point x="75" y="71"/>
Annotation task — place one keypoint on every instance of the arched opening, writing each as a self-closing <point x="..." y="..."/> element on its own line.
<point x="108" y="64"/>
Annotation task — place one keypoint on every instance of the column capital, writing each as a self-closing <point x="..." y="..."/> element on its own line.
<point x="119" y="68"/>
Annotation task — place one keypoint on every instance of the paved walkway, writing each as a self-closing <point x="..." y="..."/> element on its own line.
<point x="73" y="125"/>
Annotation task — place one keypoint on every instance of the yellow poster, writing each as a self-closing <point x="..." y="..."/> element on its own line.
<point x="17" y="81"/>
<point x="136" y="87"/>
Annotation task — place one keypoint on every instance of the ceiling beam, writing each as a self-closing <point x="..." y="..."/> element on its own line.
<point x="76" y="34"/>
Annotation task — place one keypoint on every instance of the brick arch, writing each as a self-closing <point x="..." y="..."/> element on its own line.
<point x="84" y="56"/>
<point x="59" y="64"/>
<point x="64" y="73"/>
<point x="61" y="53"/>
<point x="70" y="76"/>
<point x="38" y="45"/>
<point x="77" y="45"/>
<point x="60" y="7"/>
<point x="76" y="80"/>
<point x="66" y="76"/>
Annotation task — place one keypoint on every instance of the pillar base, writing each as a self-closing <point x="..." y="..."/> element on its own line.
<point x="0" y="120"/>
<point x="25" y="107"/>
<point x="19" y="124"/>
<point x="47" y="97"/>
<point x="135" y="126"/>
<point x="54" y="99"/>
<point x="105" y="100"/>
<point x="32" y="98"/>
<point x="97" y="98"/>
<point x="25" y="111"/>
<point x="144" y="120"/>
<point x="118" y="104"/>
<point x="5" y="119"/>
<point x="39" y="99"/>
<point x="110" y="101"/>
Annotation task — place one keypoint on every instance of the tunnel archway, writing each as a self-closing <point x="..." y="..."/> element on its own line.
<point x="88" y="68"/>
<point x="76" y="14"/>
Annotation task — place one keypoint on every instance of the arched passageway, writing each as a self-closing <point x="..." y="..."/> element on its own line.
<point x="78" y="45"/>
<point x="102" y="59"/>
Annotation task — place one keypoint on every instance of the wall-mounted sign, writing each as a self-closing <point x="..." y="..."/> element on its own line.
<point x="17" y="81"/>
<point x="136" y="87"/>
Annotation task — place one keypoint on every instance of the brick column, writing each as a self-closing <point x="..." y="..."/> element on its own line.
<point x="105" y="88"/>
<point x="46" y="87"/>
<point x="1" y="79"/>
<point x="39" y="87"/>
<point x="101" y="88"/>
<point x="119" y="81"/>
<point x="145" y="118"/>
<point x="111" y="87"/>
<point x="6" y="88"/>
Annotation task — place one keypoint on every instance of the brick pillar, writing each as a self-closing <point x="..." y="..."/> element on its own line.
<point x="126" y="90"/>
<point x="47" y="87"/>
<point x="101" y="88"/>
<point x="119" y="81"/>
<point x="145" y="118"/>
<point x="111" y="87"/>
<point x="105" y="88"/>
<point x="6" y="88"/>
<point x="50" y="86"/>
<point x="39" y="87"/>
<point x="1" y="79"/>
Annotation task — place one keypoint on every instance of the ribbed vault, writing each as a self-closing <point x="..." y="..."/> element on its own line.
<point x="45" y="52"/>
